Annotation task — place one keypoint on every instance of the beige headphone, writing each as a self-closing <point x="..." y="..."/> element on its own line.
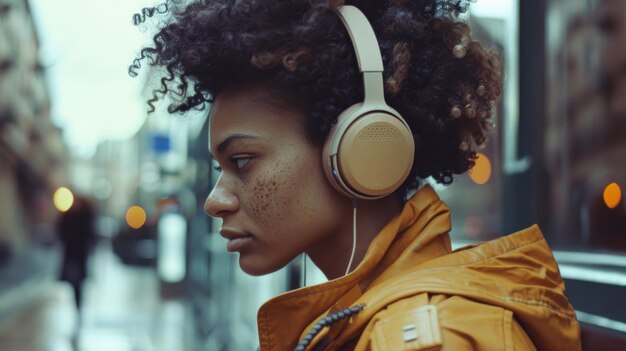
<point x="369" y="151"/>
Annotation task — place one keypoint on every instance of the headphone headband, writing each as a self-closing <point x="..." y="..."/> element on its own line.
<point x="367" y="52"/>
<point x="363" y="39"/>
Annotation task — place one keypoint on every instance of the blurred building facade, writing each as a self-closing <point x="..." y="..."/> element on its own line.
<point x="32" y="152"/>
<point x="585" y="128"/>
<point x="32" y="160"/>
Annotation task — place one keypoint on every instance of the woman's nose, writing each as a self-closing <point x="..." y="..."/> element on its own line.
<point x="220" y="202"/>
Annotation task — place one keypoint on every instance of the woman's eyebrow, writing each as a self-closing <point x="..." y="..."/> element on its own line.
<point x="223" y="146"/>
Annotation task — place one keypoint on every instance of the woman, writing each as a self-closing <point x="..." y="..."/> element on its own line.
<point x="297" y="178"/>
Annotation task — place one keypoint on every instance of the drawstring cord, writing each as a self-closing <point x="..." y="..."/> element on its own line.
<point x="325" y="322"/>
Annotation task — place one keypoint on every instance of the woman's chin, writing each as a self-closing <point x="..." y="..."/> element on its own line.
<point x="257" y="267"/>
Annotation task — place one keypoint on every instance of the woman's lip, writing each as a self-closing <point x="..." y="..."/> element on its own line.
<point x="237" y="240"/>
<point x="239" y="243"/>
<point x="232" y="234"/>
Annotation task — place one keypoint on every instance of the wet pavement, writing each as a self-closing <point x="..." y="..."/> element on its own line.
<point x="122" y="311"/>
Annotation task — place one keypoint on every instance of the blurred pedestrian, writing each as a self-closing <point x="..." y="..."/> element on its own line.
<point x="75" y="229"/>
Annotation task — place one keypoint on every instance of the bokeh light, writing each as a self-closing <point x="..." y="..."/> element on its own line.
<point x="481" y="172"/>
<point x="63" y="199"/>
<point x="135" y="217"/>
<point x="612" y="195"/>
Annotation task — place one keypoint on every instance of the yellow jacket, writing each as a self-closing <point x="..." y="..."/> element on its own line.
<point x="505" y="294"/>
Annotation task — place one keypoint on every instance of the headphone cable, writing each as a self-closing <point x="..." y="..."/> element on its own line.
<point x="353" y="235"/>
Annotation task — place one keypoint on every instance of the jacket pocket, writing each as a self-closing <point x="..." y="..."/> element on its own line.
<point x="416" y="329"/>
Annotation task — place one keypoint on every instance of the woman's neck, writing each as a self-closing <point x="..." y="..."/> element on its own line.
<point x="332" y="255"/>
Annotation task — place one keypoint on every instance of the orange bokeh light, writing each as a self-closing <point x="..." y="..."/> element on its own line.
<point x="612" y="195"/>
<point x="136" y="217"/>
<point x="481" y="172"/>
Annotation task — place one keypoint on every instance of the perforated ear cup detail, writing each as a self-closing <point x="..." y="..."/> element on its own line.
<point x="378" y="131"/>
<point x="375" y="154"/>
<point x="369" y="154"/>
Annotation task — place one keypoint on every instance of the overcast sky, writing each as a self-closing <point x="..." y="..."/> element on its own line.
<point x="86" y="47"/>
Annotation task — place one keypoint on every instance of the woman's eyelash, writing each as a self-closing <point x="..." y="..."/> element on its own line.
<point x="237" y="162"/>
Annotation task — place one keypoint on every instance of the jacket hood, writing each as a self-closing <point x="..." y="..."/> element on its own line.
<point x="412" y="255"/>
<point x="517" y="272"/>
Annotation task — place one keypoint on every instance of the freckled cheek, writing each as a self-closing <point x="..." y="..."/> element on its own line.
<point x="270" y="198"/>
<point x="258" y="199"/>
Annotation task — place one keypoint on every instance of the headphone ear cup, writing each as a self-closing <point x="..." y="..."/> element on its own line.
<point x="368" y="154"/>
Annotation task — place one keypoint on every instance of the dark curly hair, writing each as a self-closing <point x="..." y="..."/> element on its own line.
<point x="443" y="83"/>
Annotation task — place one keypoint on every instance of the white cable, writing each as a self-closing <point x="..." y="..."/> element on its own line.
<point x="353" y="236"/>
<point x="303" y="269"/>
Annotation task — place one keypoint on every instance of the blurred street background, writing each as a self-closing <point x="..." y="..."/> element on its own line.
<point x="78" y="147"/>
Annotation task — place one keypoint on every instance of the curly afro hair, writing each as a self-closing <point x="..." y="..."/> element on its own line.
<point x="443" y="83"/>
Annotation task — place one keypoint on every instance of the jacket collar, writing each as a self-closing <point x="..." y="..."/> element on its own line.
<point x="418" y="234"/>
